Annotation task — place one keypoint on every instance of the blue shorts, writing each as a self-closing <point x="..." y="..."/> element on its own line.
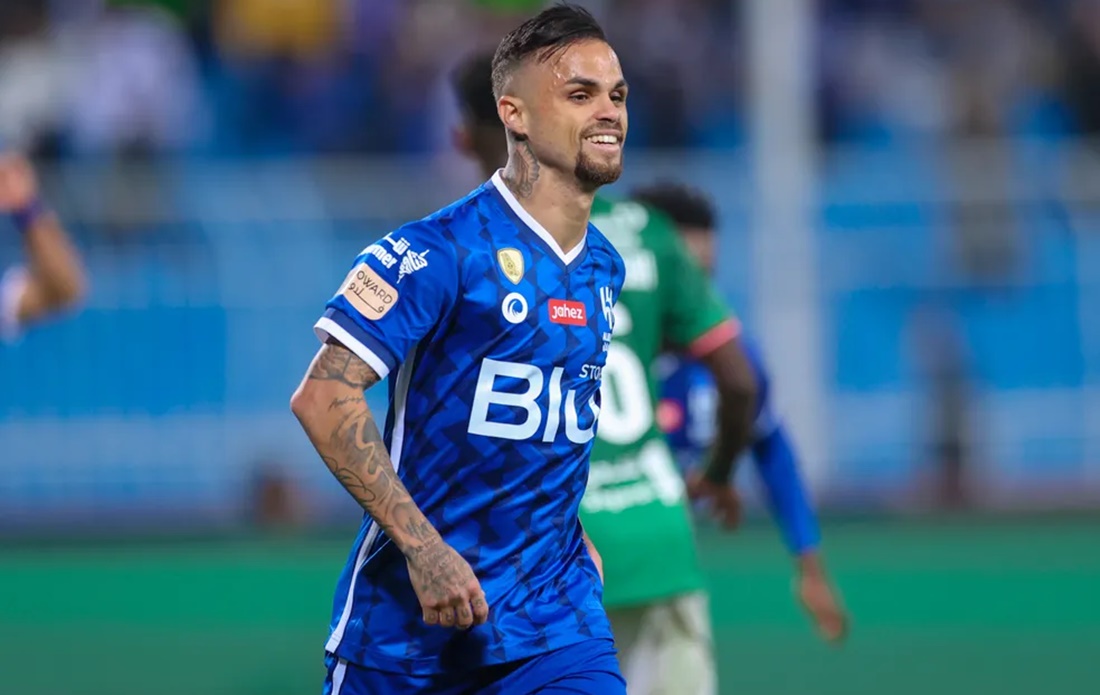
<point x="587" y="668"/>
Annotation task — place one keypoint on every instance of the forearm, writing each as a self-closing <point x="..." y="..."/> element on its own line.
<point x="786" y="494"/>
<point x="56" y="272"/>
<point x="331" y="408"/>
<point x="736" y="388"/>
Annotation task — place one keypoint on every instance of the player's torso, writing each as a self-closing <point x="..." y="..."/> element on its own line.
<point x="635" y="507"/>
<point x="507" y="389"/>
<point x="492" y="418"/>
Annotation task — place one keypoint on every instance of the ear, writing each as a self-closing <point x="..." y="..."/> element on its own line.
<point x="513" y="114"/>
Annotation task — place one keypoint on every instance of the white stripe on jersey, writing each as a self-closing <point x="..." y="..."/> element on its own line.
<point x="397" y="442"/>
<point x="326" y="327"/>
<point x="338" y="675"/>
<point x="567" y="258"/>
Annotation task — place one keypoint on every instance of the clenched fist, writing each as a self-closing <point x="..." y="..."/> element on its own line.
<point x="450" y="595"/>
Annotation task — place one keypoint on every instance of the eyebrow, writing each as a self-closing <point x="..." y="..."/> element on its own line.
<point x="591" y="83"/>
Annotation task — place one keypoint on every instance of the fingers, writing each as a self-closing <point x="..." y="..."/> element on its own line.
<point x="480" y="608"/>
<point x="461" y="612"/>
<point x="464" y="618"/>
<point x="447" y="617"/>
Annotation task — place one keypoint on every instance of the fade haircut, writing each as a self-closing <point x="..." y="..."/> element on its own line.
<point x="546" y="34"/>
<point x="684" y="205"/>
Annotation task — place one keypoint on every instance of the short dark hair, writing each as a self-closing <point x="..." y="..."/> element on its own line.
<point x="686" y="206"/>
<point x="547" y="33"/>
<point x="472" y="83"/>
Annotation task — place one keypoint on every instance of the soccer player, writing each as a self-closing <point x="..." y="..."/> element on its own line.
<point x="53" y="278"/>
<point x="635" y="507"/>
<point x="687" y="412"/>
<point x="471" y="572"/>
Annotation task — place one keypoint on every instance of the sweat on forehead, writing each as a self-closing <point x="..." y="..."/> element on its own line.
<point x="588" y="62"/>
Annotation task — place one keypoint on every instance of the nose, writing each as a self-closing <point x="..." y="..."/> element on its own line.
<point x="607" y="110"/>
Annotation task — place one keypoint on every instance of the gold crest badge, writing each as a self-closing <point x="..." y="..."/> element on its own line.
<point x="511" y="264"/>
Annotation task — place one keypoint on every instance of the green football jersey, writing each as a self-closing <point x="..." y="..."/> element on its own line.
<point x="635" y="508"/>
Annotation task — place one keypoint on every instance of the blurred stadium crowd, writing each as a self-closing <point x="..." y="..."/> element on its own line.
<point x="268" y="77"/>
<point x="955" y="196"/>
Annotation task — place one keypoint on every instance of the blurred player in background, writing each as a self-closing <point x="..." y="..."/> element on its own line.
<point x="52" y="279"/>
<point x="471" y="572"/>
<point x="686" y="412"/>
<point x="635" y="506"/>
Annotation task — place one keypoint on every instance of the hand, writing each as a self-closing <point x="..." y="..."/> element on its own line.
<point x="722" y="499"/>
<point x="820" y="600"/>
<point x="450" y="595"/>
<point x="18" y="187"/>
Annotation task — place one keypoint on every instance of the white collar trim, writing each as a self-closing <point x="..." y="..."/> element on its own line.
<point x="532" y="223"/>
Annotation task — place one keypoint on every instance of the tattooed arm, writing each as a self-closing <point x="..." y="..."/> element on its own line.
<point x="330" y="405"/>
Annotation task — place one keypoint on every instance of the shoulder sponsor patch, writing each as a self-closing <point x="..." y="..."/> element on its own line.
<point x="368" y="293"/>
<point x="511" y="264"/>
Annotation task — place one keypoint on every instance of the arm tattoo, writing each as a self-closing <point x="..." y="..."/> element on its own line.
<point x="523" y="169"/>
<point x="337" y="363"/>
<point x="350" y="444"/>
<point x="736" y="401"/>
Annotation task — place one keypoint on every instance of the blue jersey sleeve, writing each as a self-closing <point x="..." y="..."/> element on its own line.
<point x="397" y="291"/>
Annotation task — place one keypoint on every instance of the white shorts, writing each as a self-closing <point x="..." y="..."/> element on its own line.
<point x="667" y="648"/>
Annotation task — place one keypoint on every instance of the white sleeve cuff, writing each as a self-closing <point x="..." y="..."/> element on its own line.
<point x="326" y="328"/>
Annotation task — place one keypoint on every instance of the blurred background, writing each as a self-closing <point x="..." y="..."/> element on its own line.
<point x="910" y="202"/>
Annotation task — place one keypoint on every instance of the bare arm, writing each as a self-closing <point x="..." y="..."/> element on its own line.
<point x="330" y="405"/>
<point x="596" y="557"/>
<point x="737" y="390"/>
<point x="55" y="278"/>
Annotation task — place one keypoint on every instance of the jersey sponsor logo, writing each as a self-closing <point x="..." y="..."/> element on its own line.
<point x="607" y="299"/>
<point x="567" y="312"/>
<point x="647" y="477"/>
<point x="400" y="246"/>
<point x="527" y="384"/>
<point x="511" y="264"/>
<point x="411" y="262"/>
<point x="385" y="257"/>
<point x="592" y="372"/>
<point x="514" y="308"/>
<point x="368" y="293"/>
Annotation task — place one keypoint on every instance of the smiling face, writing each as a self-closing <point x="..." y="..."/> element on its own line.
<point x="570" y="107"/>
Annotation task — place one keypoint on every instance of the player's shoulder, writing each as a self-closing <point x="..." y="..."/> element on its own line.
<point x="467" y="218"/>
<point x="604" y="250"/>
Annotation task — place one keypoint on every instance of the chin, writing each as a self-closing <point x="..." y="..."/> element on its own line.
<point x="597" y="175"/>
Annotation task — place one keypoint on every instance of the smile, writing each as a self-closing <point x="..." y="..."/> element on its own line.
<point x="605" y="140"/>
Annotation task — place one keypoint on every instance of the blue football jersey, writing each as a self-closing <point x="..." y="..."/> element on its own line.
<point x="496" y="340"/>
<point x="689" y="402"/>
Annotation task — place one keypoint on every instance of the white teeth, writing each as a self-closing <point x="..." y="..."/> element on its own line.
<point x="604" y="139"/>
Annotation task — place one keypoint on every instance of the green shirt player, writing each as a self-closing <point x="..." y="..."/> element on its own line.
<point x="635" y="509"/>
